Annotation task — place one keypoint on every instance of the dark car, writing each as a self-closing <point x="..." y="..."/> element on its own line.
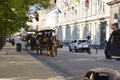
<point x="59" y="44"/>
<point x="113" y="45"/>
<point x="102" y="74"/>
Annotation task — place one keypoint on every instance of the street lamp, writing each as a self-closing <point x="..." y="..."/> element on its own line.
<point x="116" y="21"/>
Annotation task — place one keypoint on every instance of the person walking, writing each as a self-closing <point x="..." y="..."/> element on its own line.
<point x="13" y="41"/>
<point x="89" y="43"/>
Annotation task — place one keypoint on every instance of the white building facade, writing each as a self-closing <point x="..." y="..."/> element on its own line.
<point x="51" y="18"/>
<point x="76" y="19"/>
<point x="47" y="18"/>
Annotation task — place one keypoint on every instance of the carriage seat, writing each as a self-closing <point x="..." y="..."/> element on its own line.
<point x="45" y="39"/>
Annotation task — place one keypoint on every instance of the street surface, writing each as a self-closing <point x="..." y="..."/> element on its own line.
<point x="27" y="65"/>
<point x="73" y="65"/>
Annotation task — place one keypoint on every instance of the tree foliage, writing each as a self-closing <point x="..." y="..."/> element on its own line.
<point x="13" y="14"/>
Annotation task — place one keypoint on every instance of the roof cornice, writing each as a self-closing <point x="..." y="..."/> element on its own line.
<point x="113" y="2"/>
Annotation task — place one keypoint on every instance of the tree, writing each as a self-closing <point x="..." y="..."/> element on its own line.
<point x="13" y="14"/>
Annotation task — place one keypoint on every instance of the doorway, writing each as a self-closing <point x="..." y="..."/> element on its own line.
<point x="102" y="34"/>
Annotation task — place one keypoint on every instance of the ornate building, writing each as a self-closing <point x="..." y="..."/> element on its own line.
<point x="79" y="18"/>
<point x="114" y="14"/>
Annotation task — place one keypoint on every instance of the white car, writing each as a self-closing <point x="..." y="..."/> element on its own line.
<point x="79" y="45"/>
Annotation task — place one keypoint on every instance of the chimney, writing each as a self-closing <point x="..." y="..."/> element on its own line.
<point x="52" y="2"/>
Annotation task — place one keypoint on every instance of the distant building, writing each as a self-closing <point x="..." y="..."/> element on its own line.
<point x="51" y="17"/>
<point x="47" y="18"/>
<point x="33" y="25"/>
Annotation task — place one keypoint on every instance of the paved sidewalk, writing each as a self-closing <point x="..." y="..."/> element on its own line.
<point x="22" y="66"/>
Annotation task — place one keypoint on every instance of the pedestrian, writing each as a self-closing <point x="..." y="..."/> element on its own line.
<point x="13" y="41"/>
<point x="89" y="43"/>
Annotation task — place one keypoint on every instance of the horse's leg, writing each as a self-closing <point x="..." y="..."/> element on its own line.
<point x="37" y="48"/>
<point x="40" y="51"/>
<point x="48" y="49"/>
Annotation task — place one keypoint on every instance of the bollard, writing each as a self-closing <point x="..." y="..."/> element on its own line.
<point x="18" y="47"/>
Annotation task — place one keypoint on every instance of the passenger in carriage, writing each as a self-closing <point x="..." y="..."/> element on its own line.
<point x="49" y="34"/>
<point x="33" y="42"/>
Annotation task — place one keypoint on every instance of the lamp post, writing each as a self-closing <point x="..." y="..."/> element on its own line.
<point x="86" y="22"/>
<point x="116" y="21"/>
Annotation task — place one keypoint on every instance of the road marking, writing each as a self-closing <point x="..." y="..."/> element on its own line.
<point x="81" y="59"/>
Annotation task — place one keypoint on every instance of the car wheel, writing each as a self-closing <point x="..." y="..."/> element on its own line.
<point x="88" y="50"/>
<point x="70" y="48"/>
<point x="61" y="46"/>
<point x="82" y="50"/>
<point x="107" y="55"/>
<point x="76" y="49"/>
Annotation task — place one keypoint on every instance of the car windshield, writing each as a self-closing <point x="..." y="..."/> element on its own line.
<point x="101" y="76"/>
<point x="82" y="41"/>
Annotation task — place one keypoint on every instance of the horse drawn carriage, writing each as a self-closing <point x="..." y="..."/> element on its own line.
<point x="46" y="40"/>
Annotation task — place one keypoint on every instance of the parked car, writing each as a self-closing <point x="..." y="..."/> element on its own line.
<point x="102" y="74"/>
<point x="79" y="45"/>
<point x="24" y="38"/>
<point x="59" y="44"/>
<point x="113" y="45"/>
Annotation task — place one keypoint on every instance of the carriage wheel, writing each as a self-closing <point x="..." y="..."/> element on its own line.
<point x="54" y="51"/>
